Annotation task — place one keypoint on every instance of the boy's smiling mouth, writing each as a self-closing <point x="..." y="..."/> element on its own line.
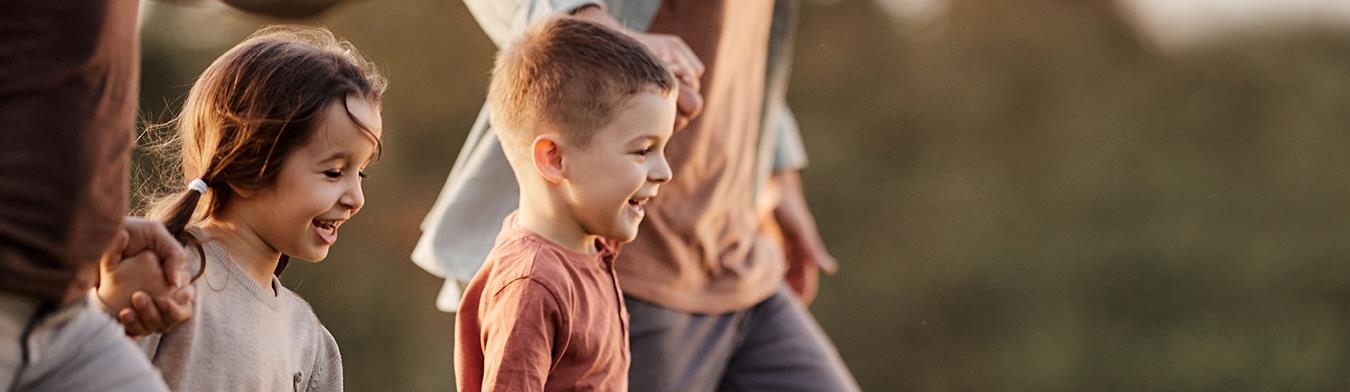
<point x="637" y="204"/>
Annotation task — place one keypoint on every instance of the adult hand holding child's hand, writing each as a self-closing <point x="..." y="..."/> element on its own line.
<point x="142" y="279"/>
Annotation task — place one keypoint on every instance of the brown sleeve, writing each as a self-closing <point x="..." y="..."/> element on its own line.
<point x="67" y="103"/>
<point x="521" y="325"/>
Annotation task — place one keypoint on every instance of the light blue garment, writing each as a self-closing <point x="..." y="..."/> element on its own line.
<point x="75" y="348"/>
<point x="459" y="231"/>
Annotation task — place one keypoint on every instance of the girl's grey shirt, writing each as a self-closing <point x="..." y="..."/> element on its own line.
<point x="244" y="337"/>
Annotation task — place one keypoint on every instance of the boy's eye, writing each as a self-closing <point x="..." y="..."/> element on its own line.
<point x="332" y="173"/>
<point x="362" y="174"/>
<point x="643" y="152"/>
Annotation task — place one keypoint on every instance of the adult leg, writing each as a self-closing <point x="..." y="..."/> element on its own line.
<point x="783" y="349"/>
<point x="675" y="351"/>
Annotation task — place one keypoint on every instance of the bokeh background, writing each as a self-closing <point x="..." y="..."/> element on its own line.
<point x="1024" y="195"/>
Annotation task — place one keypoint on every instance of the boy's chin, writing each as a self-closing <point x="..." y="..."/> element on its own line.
<point x="625" y="236"/>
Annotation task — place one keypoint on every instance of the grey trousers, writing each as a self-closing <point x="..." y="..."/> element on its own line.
<point x="76" y="348"/>
<point x="774" y="346"/>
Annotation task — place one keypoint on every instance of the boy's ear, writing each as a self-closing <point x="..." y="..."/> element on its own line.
<point x="546" y="153"/>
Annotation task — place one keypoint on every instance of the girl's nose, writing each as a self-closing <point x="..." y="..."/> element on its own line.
<point x="354" y="197"/>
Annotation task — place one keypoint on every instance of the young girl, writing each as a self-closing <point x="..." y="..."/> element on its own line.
<point x="273" y="137"/>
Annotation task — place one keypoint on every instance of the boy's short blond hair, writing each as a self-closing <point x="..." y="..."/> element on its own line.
<point x="570" y="75"/>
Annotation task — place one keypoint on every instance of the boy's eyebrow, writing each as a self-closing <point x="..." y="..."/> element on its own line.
<point x="649" y="136"/>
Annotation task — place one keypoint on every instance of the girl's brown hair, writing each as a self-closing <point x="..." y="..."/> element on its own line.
<point x="249" y="110"/>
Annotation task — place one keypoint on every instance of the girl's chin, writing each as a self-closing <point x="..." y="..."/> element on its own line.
<point x="311" y="257"/>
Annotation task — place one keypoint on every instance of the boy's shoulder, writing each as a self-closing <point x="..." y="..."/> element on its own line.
<point x="519" y="257"/>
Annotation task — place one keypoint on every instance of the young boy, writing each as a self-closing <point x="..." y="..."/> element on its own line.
<point x="583" y="113"/>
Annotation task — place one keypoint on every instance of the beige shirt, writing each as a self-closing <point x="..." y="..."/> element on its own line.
<point x="244" y="337"/>
<point x="699" y="249"/>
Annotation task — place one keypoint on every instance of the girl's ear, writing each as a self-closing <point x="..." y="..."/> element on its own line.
<point x="546" y="153"/>
<point x="240" y="191"/>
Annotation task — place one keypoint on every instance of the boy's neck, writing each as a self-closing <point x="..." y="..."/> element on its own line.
<point x="246" y="249"/>
<point x="555" y="225"/>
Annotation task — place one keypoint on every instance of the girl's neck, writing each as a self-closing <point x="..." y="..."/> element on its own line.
<point x="555" y="226"/>
<point x="246" y="249"/>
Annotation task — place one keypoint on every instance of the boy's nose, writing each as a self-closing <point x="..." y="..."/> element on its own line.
<point x="662" y="172"/>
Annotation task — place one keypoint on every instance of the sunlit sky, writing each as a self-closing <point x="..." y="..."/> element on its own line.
<point x="1182" y="22"/>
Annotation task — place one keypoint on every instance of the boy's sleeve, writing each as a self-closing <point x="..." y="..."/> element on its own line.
<point x="521" y="326"/>
<point x="503" y="20"/>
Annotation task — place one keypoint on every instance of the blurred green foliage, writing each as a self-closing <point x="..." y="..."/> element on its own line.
<point x="1024" y="195"/>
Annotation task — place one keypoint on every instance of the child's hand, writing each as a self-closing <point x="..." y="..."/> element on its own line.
<point x="156" y="315"/>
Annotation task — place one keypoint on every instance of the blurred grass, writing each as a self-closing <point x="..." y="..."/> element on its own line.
<point x="1023" y="195"/>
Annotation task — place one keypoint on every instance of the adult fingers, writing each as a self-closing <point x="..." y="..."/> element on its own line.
<point x="145" y="234"/>
<point x="682" y="54"/>
<point x="689" y="103"/>
<point x="114" y="253"/>
<point x="804" y="280"/>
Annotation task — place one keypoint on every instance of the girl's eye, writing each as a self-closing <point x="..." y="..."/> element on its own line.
<point x="332" y="173"/>
<point x="643" y="152"/>
<point x="362" y="174"/>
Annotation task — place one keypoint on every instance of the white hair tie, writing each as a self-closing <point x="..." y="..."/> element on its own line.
<point x="198" y="185"/>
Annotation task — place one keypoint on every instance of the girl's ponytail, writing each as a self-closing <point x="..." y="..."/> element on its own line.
<point x="176" y="219"/>
<point x="178" y="216"/>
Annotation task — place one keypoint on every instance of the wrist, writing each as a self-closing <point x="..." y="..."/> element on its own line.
<point x="96" y="300"/>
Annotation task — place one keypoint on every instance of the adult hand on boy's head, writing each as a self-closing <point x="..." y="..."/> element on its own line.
<point x="670" y="49"/>
<point x="673" y="53"/>
<point x="676" y="56"/>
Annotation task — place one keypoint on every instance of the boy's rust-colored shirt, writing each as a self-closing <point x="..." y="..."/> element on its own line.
<point x="540" y="317"/>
